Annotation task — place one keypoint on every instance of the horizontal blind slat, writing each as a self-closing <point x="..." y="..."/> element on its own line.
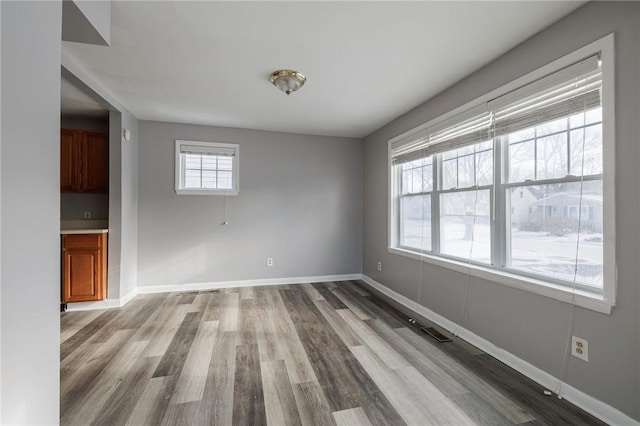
<point x="203" y="150"/>
<point x="565" y="92"/>
<point x="476" y="128"/>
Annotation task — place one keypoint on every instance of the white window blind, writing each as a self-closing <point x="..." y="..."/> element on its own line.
<point x="457" y="132"/>
<point x="572" y="89"/>
<point x="568" y="91"/>
<point x="207" y="150"/>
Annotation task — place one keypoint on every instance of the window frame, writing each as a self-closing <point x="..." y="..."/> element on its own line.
<point x="535" y="284"/>
<point x="210" y="148"/>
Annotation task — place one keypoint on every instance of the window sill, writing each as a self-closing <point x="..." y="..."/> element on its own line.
<point x="579" y="298"/>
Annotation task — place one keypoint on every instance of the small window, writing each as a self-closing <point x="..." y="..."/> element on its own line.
<point x="206" y="168"/>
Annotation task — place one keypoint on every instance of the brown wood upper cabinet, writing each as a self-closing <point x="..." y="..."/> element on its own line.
<point x="84" y="161"/>
<point x="84" y="267"/>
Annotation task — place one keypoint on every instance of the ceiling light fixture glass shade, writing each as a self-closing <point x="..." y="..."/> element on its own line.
<point x="287" y="80"/>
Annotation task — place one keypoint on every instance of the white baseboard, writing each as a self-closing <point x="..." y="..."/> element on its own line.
<point x="128" y="297"/>
<point x="244" y="283"/>
<point x="118" y="303"/>
<point x="597" y="408"/>
<point x="102" y="304"/>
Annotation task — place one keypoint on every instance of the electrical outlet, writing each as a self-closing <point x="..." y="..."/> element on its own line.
<point x="269" y="261"/>
<point x="580" y="348"/>
<point x="379" y="266"/>
<point x="87" y="215"/>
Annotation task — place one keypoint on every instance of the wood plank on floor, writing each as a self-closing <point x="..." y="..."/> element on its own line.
<point x="416" y="399"/>
<point x="312" y="405"/>
<point x="71" y="323"/>
<point x="351" y="417"/>
<point x="342" y="329"/>
<point x="279" y="355"/>
<point x="278" y="339"/>
<point x="353" y="305"/>
<point x="248" y="397"/>
<point x="280" y="403"/>
<point x="124" y="398"/>
<point x="104" y="384"/>
<point x="443" y="381"/>
<point x="489" y="393"/>
<point x="182" y="414"/>
<point x="83" y="375"/>
<point x="86" y="332"/>
<point x="151" y="406"/>
<point x="324" y="290"/>
<point x="190" y="385"/>
<point x="344" y="382"/>
<point x="383" y="350"/>
<point x="217" y="400"/>
<point x="177" y="351"/>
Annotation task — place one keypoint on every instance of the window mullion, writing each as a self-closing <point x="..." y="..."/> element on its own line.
<point x="435" y="203"/>
<point x="217" y="171"/>
<point x="568" y="139"/>
<point x="500" y="248"/>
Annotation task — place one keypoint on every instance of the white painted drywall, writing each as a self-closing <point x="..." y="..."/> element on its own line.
<point x="30" y="246"/>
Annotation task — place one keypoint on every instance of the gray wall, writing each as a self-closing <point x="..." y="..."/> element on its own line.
<point x="533" y="327"/>
<point x="84" y="124"/>
<point x="73" y="205"/>
<point x="30" y="212"/>
<point x="87" y="21"/>
<point x="115" y="206"/>
<point x="129" y="206"/>
<point x="98" y="13"/>
<point x="123" y="205"/>
<point x="300" y="203"/>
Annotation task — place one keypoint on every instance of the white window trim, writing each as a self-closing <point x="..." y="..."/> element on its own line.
<point x="211" y="146"/>
<point x="599" y="303"/>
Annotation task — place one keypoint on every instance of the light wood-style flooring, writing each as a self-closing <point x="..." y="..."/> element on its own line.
<point x="309" y="354"/>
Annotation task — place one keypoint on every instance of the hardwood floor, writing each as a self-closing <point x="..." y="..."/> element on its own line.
<point x="310" y="354"/>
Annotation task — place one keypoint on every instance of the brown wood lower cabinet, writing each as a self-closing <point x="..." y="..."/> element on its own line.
<point x="84" y="267"/>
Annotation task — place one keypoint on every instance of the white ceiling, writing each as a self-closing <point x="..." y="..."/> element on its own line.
<point x="366" y="62"/>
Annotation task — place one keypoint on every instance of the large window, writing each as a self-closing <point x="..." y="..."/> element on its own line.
<point x="515" y="185"/>
<point x="206" y="168"/>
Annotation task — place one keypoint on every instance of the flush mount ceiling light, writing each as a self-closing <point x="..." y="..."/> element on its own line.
<point x="287" y="80"/>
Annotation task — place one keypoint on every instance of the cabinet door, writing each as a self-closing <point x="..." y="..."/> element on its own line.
<point x="95" y="167"/>
<point x="81" y="275"/>
<point x="84" y="267"/>
<point x="67" y="160"/>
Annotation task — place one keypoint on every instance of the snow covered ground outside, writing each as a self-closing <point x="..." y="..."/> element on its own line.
<point x="539" y="253"/>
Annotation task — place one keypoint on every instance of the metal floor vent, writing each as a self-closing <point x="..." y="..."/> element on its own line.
<point x="441" y="338"/>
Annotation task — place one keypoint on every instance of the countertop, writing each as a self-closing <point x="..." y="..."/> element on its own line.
<point x="86" y="226"/>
